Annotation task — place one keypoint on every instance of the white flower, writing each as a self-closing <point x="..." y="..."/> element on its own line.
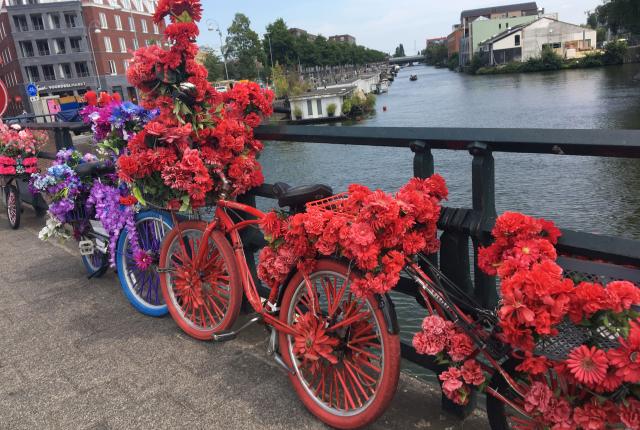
<point x="16" y="126"/>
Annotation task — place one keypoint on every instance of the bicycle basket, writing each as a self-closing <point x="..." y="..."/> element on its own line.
<point x="605" y="339"/>
<point x="558" y="347"/>
<point x="330" y="204"/>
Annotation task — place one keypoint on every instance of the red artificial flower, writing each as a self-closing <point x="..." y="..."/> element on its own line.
<point x="128" y="200"/>
<point x="460" y="346"/>
<point x="590" y="417"/>
<point x="588" y="365"/>
<point x="472" y="373"/>
<point x="629" y="413"/>
<point x="538" y="398"/>
<point x="91" y="98"/>
<point x="626" y="358"/>
<point x="312" y="341"/>
<point x="534" y="365"/>
<point x="622" y="295"/>
<point x="156" y="128"/>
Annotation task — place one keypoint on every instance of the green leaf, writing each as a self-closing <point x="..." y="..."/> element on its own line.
<point x="138" y="195"/>
<point x="186" y="204"/>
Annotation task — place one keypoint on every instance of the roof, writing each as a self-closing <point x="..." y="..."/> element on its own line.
<point x="499" y="9"/>
<point x="324" y="92"/>
<point x="505" y="33"/>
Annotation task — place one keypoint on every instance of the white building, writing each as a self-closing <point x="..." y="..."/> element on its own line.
<point x="366" y="83"/>
<point x="526" y="41"/>
<point x="315" y="104"/>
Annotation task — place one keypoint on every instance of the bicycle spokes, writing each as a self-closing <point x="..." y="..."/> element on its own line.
<point x="338" y="350"/>
<point x="201" y="288"/>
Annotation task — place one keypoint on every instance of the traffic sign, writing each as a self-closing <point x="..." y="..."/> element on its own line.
<point x="34" y="98"/>
<point x="32" y="90"/>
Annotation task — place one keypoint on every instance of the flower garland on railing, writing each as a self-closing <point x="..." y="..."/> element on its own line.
<point x="174" y="160"/>
<point x="18" y="149"/>
<point x="596" y="371"/>
<point x="375" y="230"/>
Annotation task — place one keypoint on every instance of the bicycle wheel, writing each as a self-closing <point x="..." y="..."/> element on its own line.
<point x="346" y="363"/>
<point x="96" y="264"/>
<point x="203" y="298"/>
<point x="502" y="416"/>
<point x="14" y="206"/>
<point x="142" y="286"/>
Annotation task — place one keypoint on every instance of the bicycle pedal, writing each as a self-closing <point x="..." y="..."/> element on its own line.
<point x="225" y="336"/>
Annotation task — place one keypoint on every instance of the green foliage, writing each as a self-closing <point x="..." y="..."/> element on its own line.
<point x="243" y="49"/>
<point x="436" y="55"/>
<point x="346" y="107"/>
<point x="370" y="102"/>
<point x="454" y="61"/>
<point x="614" y="52"/>
<point x="297" y="112"/>
<point x="399" y="51"/>
<point x="331" y="109"/>
<point x="591" y="60"/>
<point x="476" y="63"/>
<point x="619" y="16"/>
<point x="548" y="60"/>
<point x="280" y="82"/>
<point x="212" y="63"/>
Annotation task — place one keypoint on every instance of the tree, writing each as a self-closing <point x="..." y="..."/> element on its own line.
<point x="619" y="16"/>
<point x="212" y="62"/>
<point x="436" y="55"/>
<point x="399" y="51"/>
<point x="282" y="43"/>
<point x="243" y="49"/>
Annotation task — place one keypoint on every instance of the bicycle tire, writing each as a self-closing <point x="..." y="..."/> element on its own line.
<point x="142" y="287"/>
<point x="14" y="206"/>
<point x="200" y="306"/>
<point x="363" y="404"/>
<point x="96" y="264"/>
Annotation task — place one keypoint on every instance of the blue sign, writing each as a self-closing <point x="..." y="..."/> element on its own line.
<point x="32" y="90"/>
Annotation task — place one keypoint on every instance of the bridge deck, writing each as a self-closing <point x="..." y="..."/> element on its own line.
<point x="75" y="354"/>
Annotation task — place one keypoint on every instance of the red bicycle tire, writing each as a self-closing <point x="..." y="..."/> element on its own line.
<point x="388" y="384"/>
<point x="167" y="284"/>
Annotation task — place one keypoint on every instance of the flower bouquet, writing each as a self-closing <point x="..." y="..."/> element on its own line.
<point x="18" y="149"/>
<point x="175" y="161"/>
<point x="377" y="231"/>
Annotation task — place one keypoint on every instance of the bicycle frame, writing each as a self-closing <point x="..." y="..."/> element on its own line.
<point x="447" y="309"/>
<point x="224" y="222"/>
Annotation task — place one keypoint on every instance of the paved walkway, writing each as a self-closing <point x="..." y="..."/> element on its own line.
<point x="74" y="354"/>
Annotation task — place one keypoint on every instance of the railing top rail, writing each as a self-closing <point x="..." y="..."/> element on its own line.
<point x="603" y="143"/>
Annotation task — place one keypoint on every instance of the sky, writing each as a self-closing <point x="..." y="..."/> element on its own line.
<point x="377" y="24"/>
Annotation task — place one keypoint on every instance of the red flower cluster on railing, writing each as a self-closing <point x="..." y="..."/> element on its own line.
<point x="595" y="382"/>
<point x="199" y="133"/>
<point x="375" y="230"/>
<point x="18" y="149"/>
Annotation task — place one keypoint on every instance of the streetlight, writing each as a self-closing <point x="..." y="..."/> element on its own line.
<point x="216" y="27"/>
<point x="96" y="30"/>
<point x="271" y="54"/>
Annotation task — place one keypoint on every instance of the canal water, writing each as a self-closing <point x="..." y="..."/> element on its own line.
<point x="597" y="195"/>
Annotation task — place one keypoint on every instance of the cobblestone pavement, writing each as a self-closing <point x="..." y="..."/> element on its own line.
<point x="74" y="354"/>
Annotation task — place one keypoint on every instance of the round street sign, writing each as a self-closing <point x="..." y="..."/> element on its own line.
<point x="4" y="98"/>
<point x="32" y="90"/>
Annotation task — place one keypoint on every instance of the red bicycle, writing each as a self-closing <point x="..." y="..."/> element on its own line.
<point x="342" y="352"/>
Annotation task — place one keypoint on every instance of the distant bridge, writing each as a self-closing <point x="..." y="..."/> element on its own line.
<point x="410" y="59"/>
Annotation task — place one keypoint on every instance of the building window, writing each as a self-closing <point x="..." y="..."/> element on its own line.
<point x="71" y="19"/>
<point x="36" y="21"/>
<point x="26" y="49"/>
<point x="75" y="44"/>
<point x="43" y="47"/>
<point x="54" y="20"/>
<point x="138" y="5"/>
<point x="65" y="71"/>
<point x="103" y="20"/>
<point x="82" y="70"/>
<point x="144" y="25"/>
<point x="48" y="72"/>
<point x="517" y="40"/>
<point x="132" y="24"/>
<point x="4" y="32"/>
<point x="136" y="45"/>
<point x="60" y="46"/>
<point x="112" y="68"/>
<point x="156" y="29"/>
<point x="123" y="44"/>
<point x="107" y="44"/>
<point x="97" y="1"/>
<point x="118" y="22"/>
<point x="126" y="65"/>
<point x="32" y="73"/>
<point x="126" y="4"/>
<point x="20" y="22"/>
<point x="319" y="105"/>
<point x="499" y="26"/>
<point x="309" y="108"/>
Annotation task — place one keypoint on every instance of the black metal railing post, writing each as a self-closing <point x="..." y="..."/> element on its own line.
<point x="423" y="165"/>
<point x="484" y="204"/>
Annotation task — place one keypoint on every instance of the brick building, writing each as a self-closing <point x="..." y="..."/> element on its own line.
<point x="57" y="44"/>
<point x="343" y="38"/>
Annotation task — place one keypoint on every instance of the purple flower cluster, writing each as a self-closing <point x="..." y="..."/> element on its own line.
<point x="114" y="217"/>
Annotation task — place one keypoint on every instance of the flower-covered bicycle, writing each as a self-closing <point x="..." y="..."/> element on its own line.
<point x="18" y="159"/>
